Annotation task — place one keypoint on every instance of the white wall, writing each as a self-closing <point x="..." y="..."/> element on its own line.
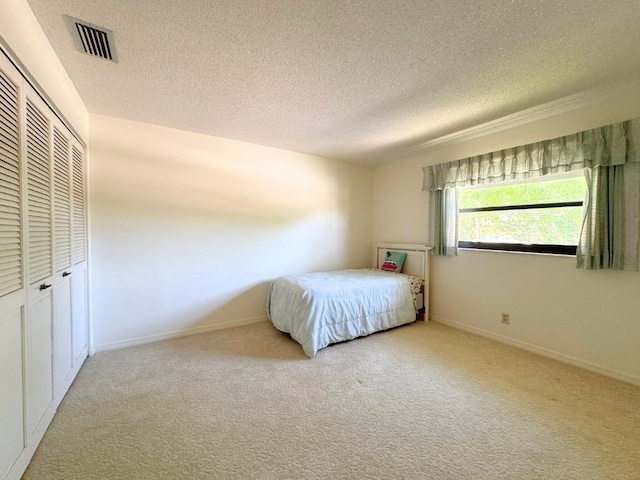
<point x="188" y="230"/>
<point x="21" y="32"/>
<point x="587" y="318"/>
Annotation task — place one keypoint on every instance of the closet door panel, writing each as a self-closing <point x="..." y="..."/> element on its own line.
<point x="62" y="356"/>
<point x="61" y="201"/>
<point x="79" y="314"/>
<point x="39" y="365"/>
<point x="38" y="193"/>
<point x="10" y="189"/>
<point x="12" y="439"/>
<point x="78" y="202"/>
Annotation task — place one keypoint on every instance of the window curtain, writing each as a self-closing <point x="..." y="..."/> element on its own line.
<point x="609" y="237"/>
<point x="443" y="228"/>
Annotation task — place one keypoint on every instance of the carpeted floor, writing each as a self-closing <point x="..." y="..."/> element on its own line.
<point x="423" y="401"/>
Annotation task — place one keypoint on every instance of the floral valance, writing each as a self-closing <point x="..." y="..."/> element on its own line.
<point x="610" y="145"/>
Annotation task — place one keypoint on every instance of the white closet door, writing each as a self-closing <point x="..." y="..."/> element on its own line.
<point x="43" y="268"/>
<point x="40" y="266"/>
<point x="62" y="335"/>
<point x="10" y="215"/>
<point x="12" y="434"/>
<point x="79" y="280"/>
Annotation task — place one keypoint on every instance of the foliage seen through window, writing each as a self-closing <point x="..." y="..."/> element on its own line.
<point x="533" y="216"/>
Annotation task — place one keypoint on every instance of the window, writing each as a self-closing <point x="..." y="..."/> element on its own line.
<point x="543" y="216"/>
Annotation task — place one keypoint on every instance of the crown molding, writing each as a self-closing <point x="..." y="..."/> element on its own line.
<point x="533" y="114"/>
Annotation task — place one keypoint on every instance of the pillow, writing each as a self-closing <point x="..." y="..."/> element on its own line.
<point x="394" y="261"/>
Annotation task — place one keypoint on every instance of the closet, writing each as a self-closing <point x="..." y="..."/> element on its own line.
<point x="43" y="266"/>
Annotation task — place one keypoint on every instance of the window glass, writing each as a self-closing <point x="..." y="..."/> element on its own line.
<point x="548" y="191"/>
<point x="533" y="213"/>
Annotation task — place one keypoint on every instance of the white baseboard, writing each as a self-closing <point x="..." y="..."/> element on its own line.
<point x="545" y="352"/>
<point x="177" y="333"/>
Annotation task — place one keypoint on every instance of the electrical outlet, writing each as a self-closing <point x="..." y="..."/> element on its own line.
<point x="505" y="318"/>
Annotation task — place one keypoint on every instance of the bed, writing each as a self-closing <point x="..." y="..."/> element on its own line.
<point x="318" y="309"/>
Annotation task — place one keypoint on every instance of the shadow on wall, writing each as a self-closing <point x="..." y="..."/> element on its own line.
<point x="186" y="229"/>
<point x="209" y="181"/>
<point x="263" y="341"/>
<point x="222" y="312"/>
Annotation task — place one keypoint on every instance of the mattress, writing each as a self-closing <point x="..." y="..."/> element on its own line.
<point x="318" y="309"/>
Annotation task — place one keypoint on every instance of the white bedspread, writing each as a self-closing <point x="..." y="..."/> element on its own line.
<point x="318" y="309"/>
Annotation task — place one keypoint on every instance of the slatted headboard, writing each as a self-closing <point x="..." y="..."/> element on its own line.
<point x="417" y="262"/>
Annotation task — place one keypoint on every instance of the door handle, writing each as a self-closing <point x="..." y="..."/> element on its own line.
<point x="66" y="274"/>
<point x="44" y="286"/>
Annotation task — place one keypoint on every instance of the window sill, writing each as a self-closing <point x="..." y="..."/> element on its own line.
<point x="485" y="250"/>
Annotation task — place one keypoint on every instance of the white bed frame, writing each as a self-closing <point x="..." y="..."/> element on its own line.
<point x="416" y="263"/>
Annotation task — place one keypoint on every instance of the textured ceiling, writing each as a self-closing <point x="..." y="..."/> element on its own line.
<point x="359" y="80"/>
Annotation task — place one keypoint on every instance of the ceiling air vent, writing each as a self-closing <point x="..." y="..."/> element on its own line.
<point x="93" y="40"/>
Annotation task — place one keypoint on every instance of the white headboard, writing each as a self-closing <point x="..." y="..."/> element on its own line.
<point x="416" y="263"/>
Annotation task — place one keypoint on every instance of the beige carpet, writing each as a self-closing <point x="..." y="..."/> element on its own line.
<point x="423" y="401"/>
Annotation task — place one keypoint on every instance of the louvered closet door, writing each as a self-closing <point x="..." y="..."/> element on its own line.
<point x="62" y="334"/>
<point x="79" y="279"/>
<point x="10" y="204"/>
<point x="43" y="268"/>
<point x="40" y="265"/>
<point x="11" y="271"/>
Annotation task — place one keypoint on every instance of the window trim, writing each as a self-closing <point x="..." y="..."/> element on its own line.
<point x="530" y="206"/>
<point x="522" y="247"/>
